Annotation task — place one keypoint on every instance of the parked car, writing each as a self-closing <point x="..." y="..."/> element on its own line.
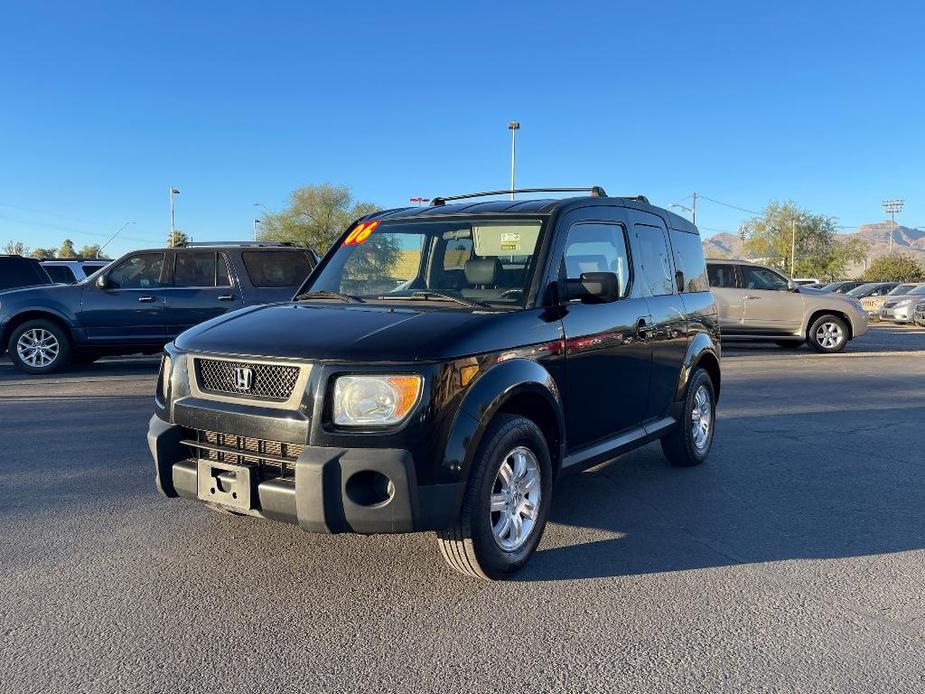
<point x="873" y="304"/>
<point x="872" y="289"/>
<point x="758" y="303"/>
<point x="900" y="309"/>
<point x="17" y="271"/>
<point x="442" y="366"/>
<point x="842" y="287"/>
<point x="72" y="270"/>
<point x="143" y="300"/>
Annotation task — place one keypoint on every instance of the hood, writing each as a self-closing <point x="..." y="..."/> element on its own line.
<point x="343" y="333"/>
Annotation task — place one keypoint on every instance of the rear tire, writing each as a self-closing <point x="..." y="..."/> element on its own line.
<point x="689" y="443"/>
<point x="503" y="511"/>
<point x="828" y="334"/>
<point x="40" y="347"/>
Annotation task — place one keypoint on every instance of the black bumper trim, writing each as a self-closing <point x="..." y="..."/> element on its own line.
<point x="316" y="499"/>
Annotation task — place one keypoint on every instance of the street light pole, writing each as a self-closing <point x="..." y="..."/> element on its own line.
<point x="513" y="126"/>
<point x="173" y="191"/>
<point x="692" y="209"/>
<point x="256" y="222"/>
<point x="893" y="206"/>
<point x="793" y="245"/>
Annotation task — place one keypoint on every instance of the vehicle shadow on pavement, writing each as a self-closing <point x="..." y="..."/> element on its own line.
<point x="768" y="493"/>
<point x="102" y="368"/>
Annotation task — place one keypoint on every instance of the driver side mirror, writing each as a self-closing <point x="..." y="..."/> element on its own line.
<point x="594" y="288"/>
<point x="792" y="286"/>
<point x="102" y="282"/>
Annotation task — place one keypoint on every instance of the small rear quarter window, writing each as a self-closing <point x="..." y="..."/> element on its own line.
<point x="688" y="260"/>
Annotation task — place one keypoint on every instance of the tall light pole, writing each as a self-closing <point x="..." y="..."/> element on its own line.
<point x="692" y="209"/>
<point x="173" y="191"/>
<point x="111" y="238"/>
<point x="513" y="126"/>
<point x="793" y="245"/>
<point x="256" y="222"/>
<point x="419" y="200"/>
<point x="893" y="207"/>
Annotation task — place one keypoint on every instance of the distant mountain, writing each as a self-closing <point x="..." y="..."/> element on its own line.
<point x="907" y="240"/>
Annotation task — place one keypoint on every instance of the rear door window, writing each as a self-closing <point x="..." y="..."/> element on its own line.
<point x="277" y="268"/>
<point x="689" y="262"/>
<point x="60" y="273"/>
<point x="21" y="272"/>
<point x="194" y="269"/>
<point x="655" y="261"/>
<point x="723" y="276"/>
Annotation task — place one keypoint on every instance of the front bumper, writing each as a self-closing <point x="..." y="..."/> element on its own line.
<point x="332" y="490"/>
<point x="898" y="314"/>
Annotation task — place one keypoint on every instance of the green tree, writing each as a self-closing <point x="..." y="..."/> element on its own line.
<point x="893" y="268"/>
<point x="315" y="217"/>
<point x="176" y="238"/>
<point x="67" y="249"/>
<point x="89" y="251"/>
<point x="16" y="248"/>
<point x="819" y="253"/>
<point x="42" y="253"/>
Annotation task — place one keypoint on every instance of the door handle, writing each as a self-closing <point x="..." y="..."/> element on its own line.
<point x="642" y="331"/>
<point x="226" y="297"/>
<point x="146" y="299"/>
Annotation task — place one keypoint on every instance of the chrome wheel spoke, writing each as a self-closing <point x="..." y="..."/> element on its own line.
<point x="515" y="499"/>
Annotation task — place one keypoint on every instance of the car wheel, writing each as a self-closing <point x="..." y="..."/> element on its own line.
<point x="506" y="502"/>
<point x="690" y="441"/>
<point x="828" y="334"/>
<point x="789" y="344"/>
<point x="40" y="347"/>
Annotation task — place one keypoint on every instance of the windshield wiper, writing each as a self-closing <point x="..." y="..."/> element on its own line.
<point x="328" y="294"/>
<point x="439" y="296"/>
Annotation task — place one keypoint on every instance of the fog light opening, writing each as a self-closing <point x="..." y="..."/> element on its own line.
<point x="369" y="488"/>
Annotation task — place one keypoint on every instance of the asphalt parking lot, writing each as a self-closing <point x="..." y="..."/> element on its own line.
<point x="792" y="560"/>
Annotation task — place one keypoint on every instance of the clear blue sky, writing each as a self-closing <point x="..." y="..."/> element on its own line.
<point x="105" y="105"/>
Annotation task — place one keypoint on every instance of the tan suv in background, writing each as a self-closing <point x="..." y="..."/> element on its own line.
<point x="756" y="302"/>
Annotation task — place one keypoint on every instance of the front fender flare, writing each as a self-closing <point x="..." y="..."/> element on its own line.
<point x="487" y="394"/>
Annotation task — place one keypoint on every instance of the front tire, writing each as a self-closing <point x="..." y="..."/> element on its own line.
<point x="40" y="347"/>
<point x="828" y="334"/>
<point x="506" y="502"/>
<point x="690" y="441"/>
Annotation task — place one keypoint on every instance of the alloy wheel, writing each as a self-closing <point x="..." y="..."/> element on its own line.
<point x="701" y="418"/>
<point x="830" y="335"/>
<point x="38" y="348"/>
<point x="515" y="499"/>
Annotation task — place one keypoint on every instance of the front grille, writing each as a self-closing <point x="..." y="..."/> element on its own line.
<point x="273" y="382"/>
<point x="275" y="457"/>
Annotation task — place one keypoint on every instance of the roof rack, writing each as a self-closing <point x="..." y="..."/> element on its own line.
<point x="595" y="192"/>
<point x="207" y="244"/>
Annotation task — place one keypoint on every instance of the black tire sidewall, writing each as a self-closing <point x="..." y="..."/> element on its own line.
<point x="64" y="347"/>
<point x="508" y="434"/>
<point x="814" y="343"/>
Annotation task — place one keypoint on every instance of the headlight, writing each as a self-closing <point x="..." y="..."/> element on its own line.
<point x="374" y="400"/>
<point x="904" y="302"/>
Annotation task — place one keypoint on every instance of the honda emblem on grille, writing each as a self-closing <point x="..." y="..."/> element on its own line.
<point x="243" y="378"/>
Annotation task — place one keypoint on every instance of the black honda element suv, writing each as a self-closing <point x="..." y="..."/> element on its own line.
<point x="442" y="366"/>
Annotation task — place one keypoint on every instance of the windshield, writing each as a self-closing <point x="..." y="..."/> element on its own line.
<point x="902" y="289"/>
<point x="863" y="290"/>
<point x="467" y="261"/>
<point x="918" y="290"/>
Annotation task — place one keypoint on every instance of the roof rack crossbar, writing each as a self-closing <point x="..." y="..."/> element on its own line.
<point x="595" y="191"/>
<point x="207" y="244"/>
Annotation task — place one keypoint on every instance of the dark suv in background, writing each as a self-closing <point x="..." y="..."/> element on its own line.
<point x="442" y="366"/>
<point x="143" y="300"/>
<point x="17" y="271"/>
